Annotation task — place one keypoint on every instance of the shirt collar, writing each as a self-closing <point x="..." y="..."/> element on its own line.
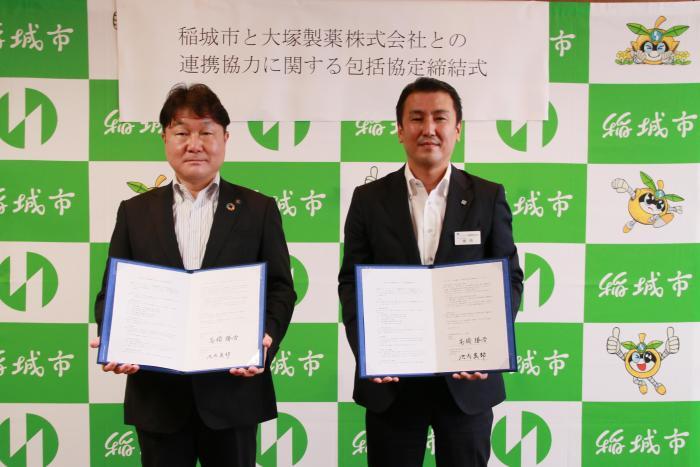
<point x="181" y="190"/>
<point x="412" y="182"/>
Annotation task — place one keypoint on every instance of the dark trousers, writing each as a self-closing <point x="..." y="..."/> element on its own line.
<point x="233" y="447"/>
<point x="398" y="436"/>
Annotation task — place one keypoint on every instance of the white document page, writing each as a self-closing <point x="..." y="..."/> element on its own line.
<point x="398" y="324"/>
<point x="225" y="331"/>
<point x="148" y="316"/>
<point x="434" y="320"/>
<point x="209" y="319"/>
<point x="470" y="318"/>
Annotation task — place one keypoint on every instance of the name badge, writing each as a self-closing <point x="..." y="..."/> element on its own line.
<point x="472" y="237"/>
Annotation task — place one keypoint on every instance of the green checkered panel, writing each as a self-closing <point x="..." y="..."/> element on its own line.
<point x="601" y="273"/>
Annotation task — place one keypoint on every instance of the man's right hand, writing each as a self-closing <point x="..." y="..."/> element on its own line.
<point x="124" y="368"/>
<point x="386" y="379"/>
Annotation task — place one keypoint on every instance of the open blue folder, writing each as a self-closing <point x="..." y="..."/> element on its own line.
<point x="174" y="320"/>
<point x="428" y="320"/>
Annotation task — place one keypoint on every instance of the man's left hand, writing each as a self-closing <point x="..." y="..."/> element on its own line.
<point x="476" y="376"/>
<point x="254" y="370"/>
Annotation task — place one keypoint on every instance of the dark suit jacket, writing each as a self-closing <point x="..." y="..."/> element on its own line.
<point x="145" y="231"/>
<point x="379" y="230"/>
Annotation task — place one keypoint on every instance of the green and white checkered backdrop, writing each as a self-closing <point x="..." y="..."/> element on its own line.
<point x="66" y="161"/>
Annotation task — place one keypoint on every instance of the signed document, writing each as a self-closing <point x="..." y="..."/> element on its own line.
<point x="419" y="320"/>
<point x="167" y="319"/>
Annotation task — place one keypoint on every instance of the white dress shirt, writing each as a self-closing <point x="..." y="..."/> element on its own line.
<point x="193" y="219"/>
<point x="427" y="212"/>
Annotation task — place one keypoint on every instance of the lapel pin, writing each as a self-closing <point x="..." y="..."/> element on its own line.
<point x="238" y="201"/>
<point x="464" y="202"/>
<point x="231" y="207"/>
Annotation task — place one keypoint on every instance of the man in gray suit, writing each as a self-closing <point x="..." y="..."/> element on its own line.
<point x="411" y="217"/>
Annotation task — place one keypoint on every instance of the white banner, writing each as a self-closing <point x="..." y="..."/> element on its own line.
<point x="333" y="60"/>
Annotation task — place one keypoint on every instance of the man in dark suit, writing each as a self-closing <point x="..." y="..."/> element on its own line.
<point x="202" y="221"/>
<point x="411" y="217"/>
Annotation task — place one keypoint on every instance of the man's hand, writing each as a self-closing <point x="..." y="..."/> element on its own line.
<point x="476" y="376"/>
<point x="254" y="370"/>
<point x="124" y="368"/>
<point x="386" y="379"/>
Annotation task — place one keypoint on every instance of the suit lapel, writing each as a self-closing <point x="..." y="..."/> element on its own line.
<point x="396" y="205"/>
<point x="459" y="199"/>
<point x="162" y="212"/>
<point x="228" y="210"/>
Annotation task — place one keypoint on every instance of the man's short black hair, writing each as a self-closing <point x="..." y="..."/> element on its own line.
<point x="428" y="85"/>
<point x="198" y="99"/>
